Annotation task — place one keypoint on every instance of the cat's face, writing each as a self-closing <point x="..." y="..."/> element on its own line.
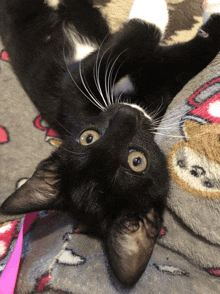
<point x="111" y="176"/>
<point x="116" y="165"/>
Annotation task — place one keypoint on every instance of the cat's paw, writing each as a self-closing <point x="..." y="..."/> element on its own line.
<point x="153" y="11"/>
<point x="210" y="7"/>
<point x="52" y="3"/>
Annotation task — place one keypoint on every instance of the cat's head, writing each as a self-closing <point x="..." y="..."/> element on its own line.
<point x="111" y="176"/>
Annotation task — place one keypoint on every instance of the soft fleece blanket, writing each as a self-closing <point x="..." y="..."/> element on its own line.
<point x="56" y="259"/>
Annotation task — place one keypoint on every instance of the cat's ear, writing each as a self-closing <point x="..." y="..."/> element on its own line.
<point x="38" y="193"/>
<point x="130" y="247"/>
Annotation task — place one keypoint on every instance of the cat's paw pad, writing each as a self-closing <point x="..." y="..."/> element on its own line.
<point x="153" y="11"/>
<point x="211" y="6"/>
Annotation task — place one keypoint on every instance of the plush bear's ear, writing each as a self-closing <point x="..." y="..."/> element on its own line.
<point x="38" y="193"/>
<point x="130" y="247"/>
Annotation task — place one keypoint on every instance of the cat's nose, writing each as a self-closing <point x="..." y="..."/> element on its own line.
<point x="124" y="122"/>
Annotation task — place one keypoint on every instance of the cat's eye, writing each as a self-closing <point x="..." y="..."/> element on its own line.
<point x="137" y="161"/>
<point x="88" y="137"/>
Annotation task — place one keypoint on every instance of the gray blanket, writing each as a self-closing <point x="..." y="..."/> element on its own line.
<point x="186" y="259"/>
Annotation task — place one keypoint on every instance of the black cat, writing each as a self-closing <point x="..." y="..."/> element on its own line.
<point x="109" y="174"/>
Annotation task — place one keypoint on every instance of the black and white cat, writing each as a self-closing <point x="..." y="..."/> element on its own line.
<point x="88" y="84"/>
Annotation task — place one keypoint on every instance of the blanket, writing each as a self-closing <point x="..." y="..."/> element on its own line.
<point x="186" y="259"/>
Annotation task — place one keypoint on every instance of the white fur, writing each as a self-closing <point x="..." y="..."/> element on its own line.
<point x="52" y="3"/>
<point x="83" y="47"/>
<point x="212" y="6"/>
<point x="153" y="11"/>
<point x="139" y="108"/>
<point x="124" y="85"/>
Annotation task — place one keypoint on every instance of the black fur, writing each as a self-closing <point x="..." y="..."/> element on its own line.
<point x="95" y="183"/>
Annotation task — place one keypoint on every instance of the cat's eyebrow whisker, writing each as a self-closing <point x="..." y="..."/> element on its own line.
<point x="96" y="102"/>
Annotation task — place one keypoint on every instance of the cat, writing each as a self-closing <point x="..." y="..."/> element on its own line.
<point x="88" y="84"/>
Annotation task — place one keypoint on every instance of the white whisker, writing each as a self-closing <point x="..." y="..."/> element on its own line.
<point x="106" y="82"/>
<point x="97" y="70"/>
<point x="113" y="85"/>
<point x="92" y="98"/>
<point x="101" y="108"/>
<point x="171" y="136"/>
<point x="110" y="75"/>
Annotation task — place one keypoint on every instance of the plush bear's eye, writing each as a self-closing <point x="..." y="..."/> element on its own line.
<point x="88" y="137"/>
<point x="137" y="161"/>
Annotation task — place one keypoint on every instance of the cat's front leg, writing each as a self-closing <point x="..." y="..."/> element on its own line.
<point x="151" y="11"/>
<point x="146" y="12"/>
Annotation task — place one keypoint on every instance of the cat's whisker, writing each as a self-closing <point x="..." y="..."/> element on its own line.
<point x="81" y="163"/>
<point x="95" y="80"/>
<point x="157" y="110"/>
<point x="73" y="152"/>
<point x="110" y="84"/>
<point x="96" y="102"/>
<point x="130" y="174"/>
<point x="106" y="82"/>
<point x="171" y="117"/>
<point x="113" y="181"/>
<point x="101" y="108"/>
<point x="97" y="71"/>
<point x="118" y="98"/>
<point x="169" y="136"/>
<point x="98" y="85"/>
<point x="113" y="84"/>
<point x="63" y="127"/>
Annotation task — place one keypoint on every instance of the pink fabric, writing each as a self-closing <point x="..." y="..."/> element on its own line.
<point x="9" y="274"/>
